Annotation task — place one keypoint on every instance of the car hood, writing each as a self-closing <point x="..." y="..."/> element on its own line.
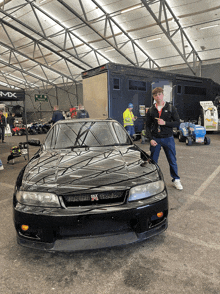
<point x="88" y="170"/>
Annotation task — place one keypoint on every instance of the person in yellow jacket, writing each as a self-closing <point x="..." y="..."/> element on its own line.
<point x="128" y="119"/>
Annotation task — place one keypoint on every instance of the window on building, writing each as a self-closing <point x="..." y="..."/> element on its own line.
<point x="195" y="90"/>
<point x="179" y="89"/>
<point x="116" y="84"/>
<point x="137" y="85"/>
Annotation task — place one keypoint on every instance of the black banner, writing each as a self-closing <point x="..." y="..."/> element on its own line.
<point x="12" y="95"/>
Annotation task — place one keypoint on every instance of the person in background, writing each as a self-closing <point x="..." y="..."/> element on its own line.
<point x="82" y="113"/>
<point x="57" y="115"/>
<point x="11" y="120"/>
<point x="160" y="120"/>
<point x="2" y="126"/>
<point x="128" y="119"/>
<point x="73" y="112"/>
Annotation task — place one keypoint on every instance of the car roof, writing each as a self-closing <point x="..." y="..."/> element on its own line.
<point x="85" y="120"/>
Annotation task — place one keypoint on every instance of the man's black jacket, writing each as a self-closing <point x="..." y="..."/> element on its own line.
<point x="2" y="121"/>
<point x="169" y="115"/>
<point x="57" y="115"/>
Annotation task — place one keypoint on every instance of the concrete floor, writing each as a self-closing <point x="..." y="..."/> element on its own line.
<point x="184" y="259"/>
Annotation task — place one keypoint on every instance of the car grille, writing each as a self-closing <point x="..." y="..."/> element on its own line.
<point x="109" y="197"/>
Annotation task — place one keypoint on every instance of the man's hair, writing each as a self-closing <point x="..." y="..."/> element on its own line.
<point x="157" y="90"/>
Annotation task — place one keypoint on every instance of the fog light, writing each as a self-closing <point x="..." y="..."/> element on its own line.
<point x="24" y="227"/>
<point x="160" y="214"/>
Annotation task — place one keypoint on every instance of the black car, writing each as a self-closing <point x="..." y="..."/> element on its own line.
<point x="89" y="186"/>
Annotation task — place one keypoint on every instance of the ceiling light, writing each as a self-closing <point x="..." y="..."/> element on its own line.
<point x="204" y="28"/>
<point x="131" y="8"/>
<point x="153" y="40"/>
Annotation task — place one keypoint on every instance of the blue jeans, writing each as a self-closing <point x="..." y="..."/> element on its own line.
<point x="168" y="145"/>
<point x="130" y="130"/>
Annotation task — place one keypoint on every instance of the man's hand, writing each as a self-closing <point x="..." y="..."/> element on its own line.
<point x="153" y="143"/>
<point x="160" y="121"/>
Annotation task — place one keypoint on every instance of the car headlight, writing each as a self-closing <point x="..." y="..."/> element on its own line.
<point x="146" y="191"/>
<point x="38" y="199"/>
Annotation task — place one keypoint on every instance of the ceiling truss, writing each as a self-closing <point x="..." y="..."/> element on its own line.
<point x="163" y="11"/>
<point x="111" y="35"/>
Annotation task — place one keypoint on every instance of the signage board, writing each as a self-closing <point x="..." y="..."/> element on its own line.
<point x="11" y="95"/>
<point x="41" y="98"/>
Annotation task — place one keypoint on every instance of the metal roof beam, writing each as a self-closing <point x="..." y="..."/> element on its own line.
<point x="21" y="70"/>
<point x="13" y="51"/>
<point x="110" y="21"/>
<point x="94" y="30"/>
<point x="130" y="39"/>
<point x="163" y="9"/>
<point x="67" y="31"/>
<point x="39" y="42"/>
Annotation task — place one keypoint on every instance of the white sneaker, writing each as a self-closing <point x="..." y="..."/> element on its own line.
<point x="177" y="184"/>
<point x="1" y="167"/>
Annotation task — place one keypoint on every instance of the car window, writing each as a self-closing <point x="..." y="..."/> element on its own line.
<point x="91" y="134"/>
<point x="121" y="133"/>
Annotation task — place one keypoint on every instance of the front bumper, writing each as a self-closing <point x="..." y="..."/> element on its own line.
<point x="71" y="230"/>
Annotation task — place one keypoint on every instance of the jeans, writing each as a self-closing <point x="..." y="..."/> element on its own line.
<point x="2" y="133"/>
<point x="168" y="145"/>
<point x="130" y="130"/>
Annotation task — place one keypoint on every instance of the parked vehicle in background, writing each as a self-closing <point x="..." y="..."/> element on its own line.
<point x="19" y="131"/>
<point x="88" y="187"/>
<point x="208" y="116"/>
<point x="191" y="133"/>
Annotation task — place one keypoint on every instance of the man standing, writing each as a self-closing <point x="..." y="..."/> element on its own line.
<point x="82" y="113"/>
<point x="129" y="118"/>
<point x="57" y="115"/>
<point x="161" y="118"/>
<point x="11" y="121"/>
<point x="2" y="126"/>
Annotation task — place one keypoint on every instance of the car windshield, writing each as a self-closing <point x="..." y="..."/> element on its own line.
<point x="86" y="134"/>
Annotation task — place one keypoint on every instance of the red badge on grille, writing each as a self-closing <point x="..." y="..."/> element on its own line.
<point x="94" y="197"/>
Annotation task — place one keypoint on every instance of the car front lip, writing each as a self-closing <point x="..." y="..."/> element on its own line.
<point x="63" y="230"/>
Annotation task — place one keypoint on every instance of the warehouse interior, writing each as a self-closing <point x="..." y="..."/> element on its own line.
<point x="47" y="49"/>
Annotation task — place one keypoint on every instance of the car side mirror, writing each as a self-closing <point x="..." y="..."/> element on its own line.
<point x="34" y="142"/>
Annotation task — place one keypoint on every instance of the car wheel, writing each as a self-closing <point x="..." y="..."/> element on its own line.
<point x="207" y="140"/>
<point x="181" y="137"/>
<point x="189" y="141"/>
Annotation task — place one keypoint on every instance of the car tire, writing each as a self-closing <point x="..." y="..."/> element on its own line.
<point x="207" y="140"/>
<point x="189" y="141"/>
<point x="181" y="137"/>
<point x="19" y="133"/>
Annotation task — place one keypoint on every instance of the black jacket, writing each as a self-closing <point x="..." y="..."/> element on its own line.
<point x="169" y="115"/>
<point x="82" y="114"/>
<point x="11" y="120"/>
<point x="57" y="115"/>
<point x="2" y="121"/>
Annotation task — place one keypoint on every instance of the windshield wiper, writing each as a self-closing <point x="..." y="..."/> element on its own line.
<point x="118" y="144"/>
<point x="85" y="132"/>
<point x="77" y="146"/>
